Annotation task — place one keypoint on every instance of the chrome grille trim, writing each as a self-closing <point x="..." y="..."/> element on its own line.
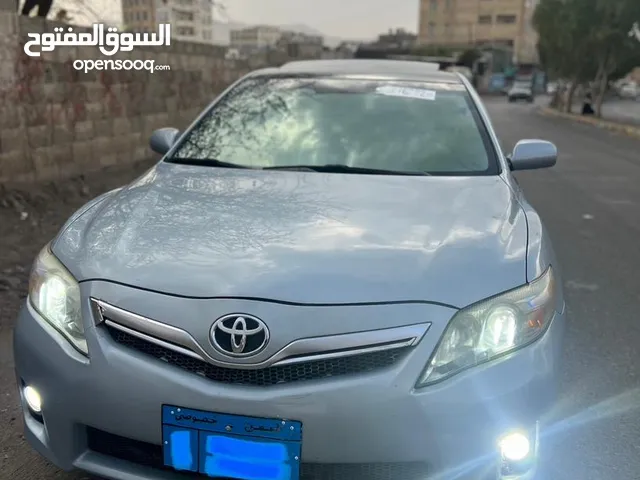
<point x="156" y="341"/>
<point x="298" y="351"/>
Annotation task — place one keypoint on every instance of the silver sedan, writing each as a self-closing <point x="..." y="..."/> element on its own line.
<point x="331" y="273"/>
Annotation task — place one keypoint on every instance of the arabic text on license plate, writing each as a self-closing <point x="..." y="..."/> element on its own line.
<point x="231" y="446"/>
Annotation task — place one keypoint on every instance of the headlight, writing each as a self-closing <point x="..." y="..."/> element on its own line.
<point x="55" y="295"/>
<point x="493" y="327"/>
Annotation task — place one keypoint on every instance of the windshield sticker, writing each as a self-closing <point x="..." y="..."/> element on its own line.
<point x="419" y="93"/>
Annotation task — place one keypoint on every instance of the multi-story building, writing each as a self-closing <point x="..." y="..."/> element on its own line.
<point x="255" y="38"/>
<point x="480" y="22"/>
<point x="300" y="45"/>
<point x="191" y="20"/>
<point x="88" y="12"/>
<point x="398" y="39"/>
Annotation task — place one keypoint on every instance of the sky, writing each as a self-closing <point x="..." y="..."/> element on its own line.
<point x="349" y="19"/>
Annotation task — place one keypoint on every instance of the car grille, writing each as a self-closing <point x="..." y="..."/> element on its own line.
<point x="274" y="375"/>
<point x="149" y="455"/>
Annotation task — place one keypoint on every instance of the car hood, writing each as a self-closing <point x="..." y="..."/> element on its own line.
<point x="302" y="237"/>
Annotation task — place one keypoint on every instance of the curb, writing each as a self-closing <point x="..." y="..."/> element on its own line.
<point x="628" y="130"/>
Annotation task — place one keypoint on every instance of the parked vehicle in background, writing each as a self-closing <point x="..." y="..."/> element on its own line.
<point x="628" y="89"/>
<point x="521" y="90"/>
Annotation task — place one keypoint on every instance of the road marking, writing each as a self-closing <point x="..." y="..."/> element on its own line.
<point x="615" y="201"/>
<point x="587" y="216"/>
<point x="590" y="287"/>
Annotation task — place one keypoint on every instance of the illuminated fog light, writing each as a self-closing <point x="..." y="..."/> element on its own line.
<point x="515" y="447"/>
<point x="33" y="399"/>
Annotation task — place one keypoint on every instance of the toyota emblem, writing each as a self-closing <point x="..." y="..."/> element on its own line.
<point x="239" y="335"/>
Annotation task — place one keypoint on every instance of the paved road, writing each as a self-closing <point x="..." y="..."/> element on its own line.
<point x="614" y="109"/>
<point x="591" y="205"/>
<point x="622" y="110"/>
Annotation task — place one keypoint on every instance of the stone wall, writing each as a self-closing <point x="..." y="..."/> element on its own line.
<point x="56" y="121"/>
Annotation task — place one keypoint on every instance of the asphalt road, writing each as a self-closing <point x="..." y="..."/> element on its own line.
<point x="591" y="205"/>
<point x="621" y="110"/>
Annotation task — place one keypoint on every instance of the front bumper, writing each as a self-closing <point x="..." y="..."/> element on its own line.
<point x="367" y="419"/>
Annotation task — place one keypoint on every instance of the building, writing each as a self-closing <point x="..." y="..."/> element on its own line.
<point x="481" y="23"/>
<point x="88" y="12"/>
<point x="260" y="37"/>
<point x="399" y="39"/>
<point x="300" y="45"/>
<point x="191" y="20"/>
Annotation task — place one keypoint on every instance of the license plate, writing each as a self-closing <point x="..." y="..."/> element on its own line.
<point x="229" y="446"/>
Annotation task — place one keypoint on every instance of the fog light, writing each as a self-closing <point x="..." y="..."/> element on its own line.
<point x="515" y="447"/>
<point x="33" y="399"/>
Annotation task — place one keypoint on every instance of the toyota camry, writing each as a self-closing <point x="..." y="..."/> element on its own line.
<point x="330" y="274"/>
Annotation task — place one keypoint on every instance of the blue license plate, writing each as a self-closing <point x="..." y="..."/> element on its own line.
<point x="231" y="446"/>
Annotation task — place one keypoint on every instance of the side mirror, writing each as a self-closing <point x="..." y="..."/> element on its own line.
<point x="163" y="139"/>
<point x="533" y="154"/>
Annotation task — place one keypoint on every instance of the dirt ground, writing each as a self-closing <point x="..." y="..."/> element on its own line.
<point x="29" y="218"/>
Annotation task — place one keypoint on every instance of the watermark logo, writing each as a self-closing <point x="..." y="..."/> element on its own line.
<point x="108" y="43"/>
<point x="149" y="65"/>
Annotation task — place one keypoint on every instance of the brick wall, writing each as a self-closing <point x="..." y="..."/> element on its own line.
<point x="56" y="121"/>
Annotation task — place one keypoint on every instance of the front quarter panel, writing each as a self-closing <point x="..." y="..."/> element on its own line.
<point x="540" y="252"/>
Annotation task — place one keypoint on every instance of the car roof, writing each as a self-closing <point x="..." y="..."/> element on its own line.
<point x="396" y="69"/>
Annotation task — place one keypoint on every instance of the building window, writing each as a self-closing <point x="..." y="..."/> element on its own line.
<point x="505" y="19"/>
<point x="431" y="29"/>
<point x="448" y="5"/>
<point x="183" y="16"/>
<point x="185" y="31"/>
<point x="484" y="19"/>
<point x="433" y="4"/>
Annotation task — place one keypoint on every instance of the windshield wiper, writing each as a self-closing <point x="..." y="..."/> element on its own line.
<point x="206" y="162"/>
<point x="338" y="168"/>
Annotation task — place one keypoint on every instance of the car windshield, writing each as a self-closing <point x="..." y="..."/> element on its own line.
<point x="351" y="124"/>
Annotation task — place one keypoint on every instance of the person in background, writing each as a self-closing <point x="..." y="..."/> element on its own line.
<point x="43" y="7"/>
<point x="587" y="109"/>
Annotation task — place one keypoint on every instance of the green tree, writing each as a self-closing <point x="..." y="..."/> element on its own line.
<point x="565" y="44"/>
<point x="614" y="50"/>
<point x="587" y="41"/>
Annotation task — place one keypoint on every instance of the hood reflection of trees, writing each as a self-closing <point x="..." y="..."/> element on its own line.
<point x="207" y="210"/>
